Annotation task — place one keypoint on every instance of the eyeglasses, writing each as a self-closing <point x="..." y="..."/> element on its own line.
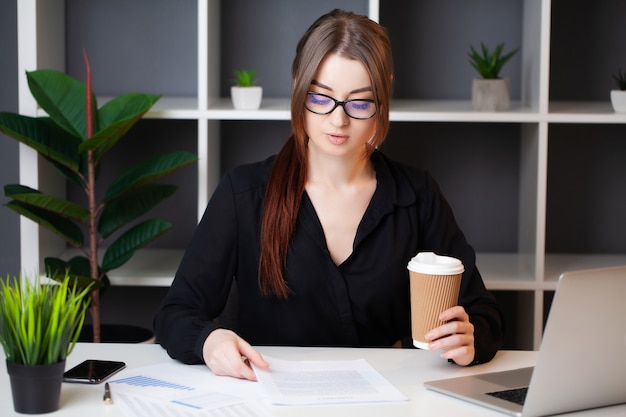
<point x="360" y="109"/>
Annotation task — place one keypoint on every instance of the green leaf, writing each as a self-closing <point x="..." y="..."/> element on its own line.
<point x="51" y="221"/>
<point x="71" y="175"/>
<point x="40" y="323"/>
<point x="116" y="118"/>
<point x="44" y="136"/>
<point x="245" y="78"/>
<point x="63" y="98"/>
<point x="77" y="268"/>
<point x="620" y="79"/>
<point x="125" y="107"/>
<point x="125" y="246"/>
<point x="56" y="205"/>
<point x="489" y="64"/>
<point x="148" y="171"/>
<point x="130" y="206"/>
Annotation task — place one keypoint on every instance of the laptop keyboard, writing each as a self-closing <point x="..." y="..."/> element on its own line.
<point x="515" y="395"/>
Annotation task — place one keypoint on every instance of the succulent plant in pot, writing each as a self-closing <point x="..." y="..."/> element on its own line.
<point x="618" y="96"/>
<point x="246" y="94"/>
<point x="490" y="92"/>
<point x="74" y="137"/>
<point x="39" y="327"/>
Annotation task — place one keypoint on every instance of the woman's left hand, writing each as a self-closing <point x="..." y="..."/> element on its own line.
<point x="455" y="337"/>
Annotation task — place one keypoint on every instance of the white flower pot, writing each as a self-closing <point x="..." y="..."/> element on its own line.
<point x="618" y="100"/>
<point x="246" y="98"/>
<point x="491" y="95"/>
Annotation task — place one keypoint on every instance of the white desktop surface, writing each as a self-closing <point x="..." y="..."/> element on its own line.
<point x="406" y="369"/>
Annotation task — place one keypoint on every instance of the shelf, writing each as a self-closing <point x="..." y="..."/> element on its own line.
<point x="271" y="109"/>
<point x="401" y="111"/>
<point x="456" y="111"/>
<point x="147" y="268"/>
<point x="500" y="271"/>
<point x="556" y="264"/>
<point x="584" y="112"/>
<point x="506" y="271"/>
<point x="174" y="108"/>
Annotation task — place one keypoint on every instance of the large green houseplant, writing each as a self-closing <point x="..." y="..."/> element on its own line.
<point x="39" y="327"/>
<point x="74" y="137"/>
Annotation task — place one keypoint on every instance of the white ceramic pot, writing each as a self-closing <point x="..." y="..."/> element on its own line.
<point x="618" y="100"/>
<point x="491" y="95"/>
<point x="246" y="98"/>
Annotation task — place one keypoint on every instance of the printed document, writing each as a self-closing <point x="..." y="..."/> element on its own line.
<point x="173" y="389"/>
<point x="324" y="382"/>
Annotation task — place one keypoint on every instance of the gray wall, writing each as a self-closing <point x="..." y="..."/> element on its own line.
<point x="9" y="221"/>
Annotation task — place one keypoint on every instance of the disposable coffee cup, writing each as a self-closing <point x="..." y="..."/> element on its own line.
<point x="434" y="282"/>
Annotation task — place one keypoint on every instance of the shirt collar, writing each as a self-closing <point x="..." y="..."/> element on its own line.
<point x="393" y="186"/>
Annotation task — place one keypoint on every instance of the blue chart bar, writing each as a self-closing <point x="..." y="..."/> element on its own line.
<point x="144" y="381"/>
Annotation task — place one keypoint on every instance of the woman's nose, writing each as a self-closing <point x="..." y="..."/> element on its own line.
<point x="338" y="117"/>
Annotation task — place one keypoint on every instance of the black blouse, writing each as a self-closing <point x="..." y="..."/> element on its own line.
<point x="362" y="302"/>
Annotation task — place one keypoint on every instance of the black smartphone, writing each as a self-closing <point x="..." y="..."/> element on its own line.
<point x="93" y="371"/>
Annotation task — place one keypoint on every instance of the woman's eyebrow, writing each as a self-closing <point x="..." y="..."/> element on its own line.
<point x="358" y="90"/>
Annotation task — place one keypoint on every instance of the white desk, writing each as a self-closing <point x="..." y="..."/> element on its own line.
<point x="406" y="369"/>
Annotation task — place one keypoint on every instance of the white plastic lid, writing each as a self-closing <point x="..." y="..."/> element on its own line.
<point x="432" y="264"/>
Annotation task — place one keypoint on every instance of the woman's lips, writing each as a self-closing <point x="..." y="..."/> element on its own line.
<point x="337" y="139"/>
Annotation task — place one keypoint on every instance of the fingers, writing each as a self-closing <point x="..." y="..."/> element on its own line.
<point x="455" y="338"/>
<point x="227" y="354"/>
<point x="463" y="355"/>
<point x="456" y="321"/>
<point x="454" y="313"/>
<point x="252" y="355"/>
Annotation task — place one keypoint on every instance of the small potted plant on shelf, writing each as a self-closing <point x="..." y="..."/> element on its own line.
<point x="491" y="92"/>
<point x="246" y="94"/>
<point x="39" y="327"/>
<point x="618" y="96"/>
<point x="74" y="137"/>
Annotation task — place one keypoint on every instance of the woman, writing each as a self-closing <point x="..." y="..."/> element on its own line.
<point x="318" y="237"/>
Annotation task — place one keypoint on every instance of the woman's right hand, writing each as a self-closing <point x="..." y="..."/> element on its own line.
<point x="225" y="353"/>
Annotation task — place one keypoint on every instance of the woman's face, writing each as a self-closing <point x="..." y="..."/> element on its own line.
<point x="336" y="133"/>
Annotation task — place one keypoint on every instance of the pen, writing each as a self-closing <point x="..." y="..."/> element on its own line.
<point x="107" y="394"/>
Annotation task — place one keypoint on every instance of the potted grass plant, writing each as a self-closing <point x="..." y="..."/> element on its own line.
<point x="246" y="94"/>
<point x="74" y="137"/>
<point x="490" y="92"/>
<point x="618" y="96"/>
<point x="39" y="327"/>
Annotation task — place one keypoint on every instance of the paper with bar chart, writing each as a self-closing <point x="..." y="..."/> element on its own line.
<point x="171" y="389"/>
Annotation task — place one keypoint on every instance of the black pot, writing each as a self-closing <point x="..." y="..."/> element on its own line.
<point x="36" y="389"/>
<point x="117" y="333"/>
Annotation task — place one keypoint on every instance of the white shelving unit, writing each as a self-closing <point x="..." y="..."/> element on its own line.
<point x="530" y="271"/>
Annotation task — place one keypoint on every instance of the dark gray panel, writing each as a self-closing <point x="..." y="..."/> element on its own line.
<point x="587" y="48"/>
<point x="586" y="189"/>
<point x="431" y="40"/>
<point x="262" y="35"/>
<point x="9" y="153"/>
<point x="148" y="46"/>
<point x="477" y="168"/>
<point x="251" y="141"/>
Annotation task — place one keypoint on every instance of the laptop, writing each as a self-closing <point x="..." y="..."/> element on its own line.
<point x="581" y="363"/>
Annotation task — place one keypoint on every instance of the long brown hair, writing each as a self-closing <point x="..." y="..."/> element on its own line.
<point x="351" y="36"/>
